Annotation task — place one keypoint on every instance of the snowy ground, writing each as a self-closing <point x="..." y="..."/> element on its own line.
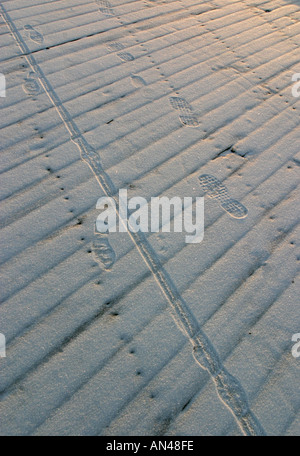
<point x="95" y="345"/>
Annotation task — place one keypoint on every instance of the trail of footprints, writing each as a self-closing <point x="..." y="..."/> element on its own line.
<point x="137" y="81"/>
<point x="211" y="186"/>
<point x="186" y="114"/>
<point x="31" y="84"/>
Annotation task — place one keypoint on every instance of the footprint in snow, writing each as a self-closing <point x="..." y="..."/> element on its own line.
<point x="105" y="7"/>
<point x="125" y="56"/>
<point x="31" y="85"/>
<point x="103" y="252"/>
<point x="33" y="34"/>
<point x="186" y="114"/>
<point x="217" y="190"/>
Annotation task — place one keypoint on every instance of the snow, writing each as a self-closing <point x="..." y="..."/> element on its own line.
<point x="146" y="334"/>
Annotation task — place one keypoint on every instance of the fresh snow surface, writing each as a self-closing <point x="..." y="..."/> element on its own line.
<point x="146" y="334"/>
